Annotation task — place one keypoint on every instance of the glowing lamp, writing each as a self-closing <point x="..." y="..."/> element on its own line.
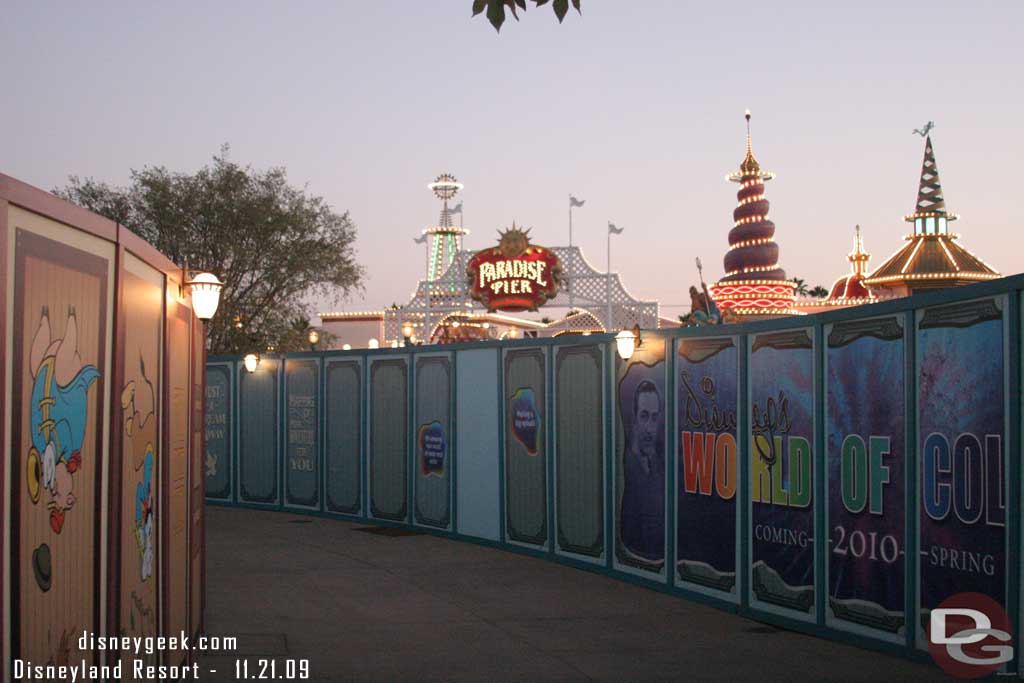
<point x="314" y="337"/>
<point x="348" y="347"/>
<point x="626" y="342"/>
<point x="407" y="330"/>
<point x="205" y="289"/>
<point x="251" y="361"/>
<point x="373" y="343"/>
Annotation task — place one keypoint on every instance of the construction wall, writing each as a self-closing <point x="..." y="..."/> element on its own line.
<point x="101" y="367"/>
<point x="842" y="474"/>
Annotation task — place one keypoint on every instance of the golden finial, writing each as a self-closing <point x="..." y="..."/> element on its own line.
<point x="749" y="164"/>
<point x="858" y="257"/>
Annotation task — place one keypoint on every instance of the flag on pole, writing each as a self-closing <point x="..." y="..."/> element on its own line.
<point x="420" y="240"/>
<point x="456" y="209"/>
<point x="613" y="230"/>
<point x="576" y="202"/>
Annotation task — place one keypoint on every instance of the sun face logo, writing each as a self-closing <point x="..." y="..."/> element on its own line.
<point x="513" y="241"/>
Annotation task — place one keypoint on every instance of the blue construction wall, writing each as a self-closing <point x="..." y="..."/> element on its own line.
<point x="842" y="473"/>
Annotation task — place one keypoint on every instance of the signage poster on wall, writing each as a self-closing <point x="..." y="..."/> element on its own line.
<point x="865" y="432"/>
<point x="432" y="446"/>
<point x="217" y="460"/>
<point x="962" y="462"/>
<point x="707" y="383"/>
<point x="301" y="442"/>
<point x="781" y="477"/>
<point x="525" y="419"/>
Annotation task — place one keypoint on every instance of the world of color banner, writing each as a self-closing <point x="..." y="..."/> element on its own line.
<point x="640" y="467"/>
<point x="707" y="405"/>
<point x="781" y="478"/>
<point x="865" y="432"/>
<point x="961" y="426"/>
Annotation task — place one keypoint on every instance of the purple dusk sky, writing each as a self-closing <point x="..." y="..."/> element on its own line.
<point x="636" y="107"/>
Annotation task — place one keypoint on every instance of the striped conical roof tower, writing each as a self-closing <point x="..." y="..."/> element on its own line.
<point x="931" y="258"/>
<point x="754" y="284"/>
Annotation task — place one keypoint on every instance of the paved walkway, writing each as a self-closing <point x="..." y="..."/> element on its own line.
<point x="366" y="607"/>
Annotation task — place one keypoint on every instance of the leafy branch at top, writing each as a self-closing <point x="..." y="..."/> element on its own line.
<point x="496" y="9"/>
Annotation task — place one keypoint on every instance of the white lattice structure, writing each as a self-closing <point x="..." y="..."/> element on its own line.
<point x="592" y="291"/>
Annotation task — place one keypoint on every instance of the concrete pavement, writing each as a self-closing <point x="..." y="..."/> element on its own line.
<point x="367" y="607"/>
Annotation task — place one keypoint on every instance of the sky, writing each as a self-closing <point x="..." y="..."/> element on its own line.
<point x="635" y="107"/>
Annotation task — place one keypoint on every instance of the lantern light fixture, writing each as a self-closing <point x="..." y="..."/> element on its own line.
<point x="251" y="361"/>
<point x="314" y="337"/>
<point x="627" y="341"/>
<point x="373" y="343"/>
<point x="346" y="347"/>
<point x="205" y="289"/>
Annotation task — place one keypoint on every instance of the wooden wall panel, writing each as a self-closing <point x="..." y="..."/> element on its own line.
<point x="138" y="414"/>
<point x="62" y="318"/>
<point x="176" y="518"/>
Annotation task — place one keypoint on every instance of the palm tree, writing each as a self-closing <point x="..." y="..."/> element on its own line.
<point x="801" y="286"/>
<point x="819" y="292"/>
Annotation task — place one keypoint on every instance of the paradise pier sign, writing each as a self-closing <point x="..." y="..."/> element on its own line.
<point x="515" y="275"/>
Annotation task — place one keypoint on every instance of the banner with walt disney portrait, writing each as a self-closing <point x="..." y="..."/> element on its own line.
<point x="640" y="401"/>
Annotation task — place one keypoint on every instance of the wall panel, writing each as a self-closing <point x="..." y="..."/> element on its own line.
<point x="782" y="572"/>
<point x="707" y="407"/>
<point x="478" y="442"/>
<point x="433" y="441"/>
<point x="219" y="432"/>
<point x="176" y="469"/>
<point x="961" y="426"/>
<point x="62" y="320"/>
<point x="258" y="433"/>
<point x="525" y="399"/>
<point x="140" y="397"/>
<point x="343" y="448"/>
<point x="302" y="433"/>
<point x="866" y="513"/>
<point x="389" y="438"/>
<point x="579" y="450"/>
<point x="640" y="402"/>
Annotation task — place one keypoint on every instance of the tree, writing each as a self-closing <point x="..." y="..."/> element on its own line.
<point x="801" y="286"/>
<point x="496" y="9"/>
<point x="272" y="245"/>
<point x="818" y="292"/>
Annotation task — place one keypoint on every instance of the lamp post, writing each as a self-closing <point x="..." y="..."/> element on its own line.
<point x="314" y="338"/>
<point x="407" y="333"/>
